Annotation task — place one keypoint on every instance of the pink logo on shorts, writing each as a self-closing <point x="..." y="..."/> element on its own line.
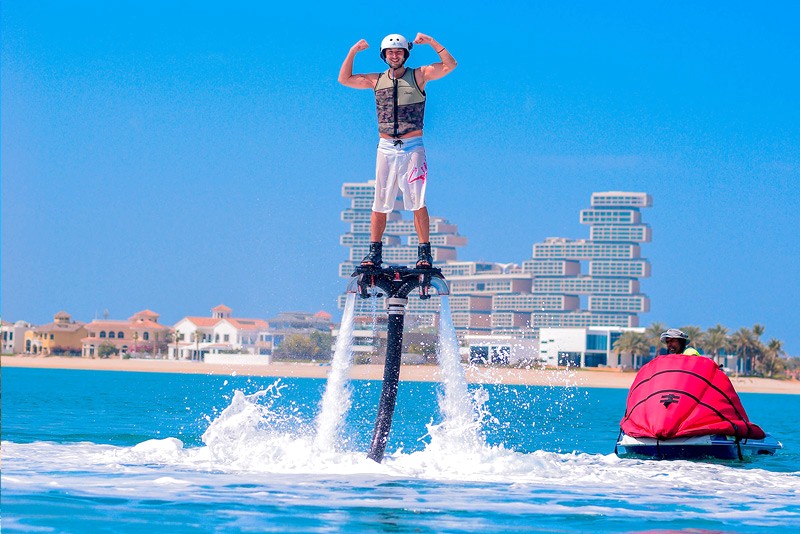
<point x="421" y="173"/>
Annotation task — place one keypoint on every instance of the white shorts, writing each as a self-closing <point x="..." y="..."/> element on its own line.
<point x="400" y="166"/>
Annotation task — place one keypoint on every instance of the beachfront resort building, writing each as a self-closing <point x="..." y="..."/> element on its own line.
<point x="62" y="336"/>
<point x="596" y="279"/>
<point x="13" y="336"/>
<point x="586" y="347"/>
<point x="141" y="335"/>
<point x="196" y="338"/>
<point x="399" y="240"/>
<point x="571" y="283"/>
<point x="400" y="248"/>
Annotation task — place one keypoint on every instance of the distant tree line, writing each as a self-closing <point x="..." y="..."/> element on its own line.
<point x="314" y="346"/>
<point x="759" y="358"/>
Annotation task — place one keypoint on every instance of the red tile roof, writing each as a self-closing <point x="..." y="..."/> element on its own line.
<point x="203" y="321"/>
<point x="248" y="324"/>
<point x="106" y="324"/>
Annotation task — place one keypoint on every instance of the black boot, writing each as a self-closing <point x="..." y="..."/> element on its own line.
<point x="424" y="258"/>
<point x="375" y="256"/>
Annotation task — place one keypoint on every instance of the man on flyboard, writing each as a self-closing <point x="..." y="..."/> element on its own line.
<point x="400" y="100"/>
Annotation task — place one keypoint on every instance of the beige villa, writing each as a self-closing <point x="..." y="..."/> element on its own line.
<point x="141" y="334"/>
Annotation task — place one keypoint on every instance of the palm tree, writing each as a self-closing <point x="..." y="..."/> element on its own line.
<point x="172" y="337"/>
<point x="632" y="343"/>
<point x="695" y="334"/>
<point x="745" y="343"/>
<point x="772" y="361"/>
<point x="758" y="354"/>
<point x="758" y="330"/>
<point x="653" y="333"/>
<point x="715" y="340"/>
<point x="197" y="335"/>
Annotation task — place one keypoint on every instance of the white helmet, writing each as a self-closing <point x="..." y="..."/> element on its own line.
<point x="395" y="40"/>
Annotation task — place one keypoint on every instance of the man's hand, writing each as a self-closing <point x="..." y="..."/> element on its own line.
<point x="359" y="46"/>
<point x="421" y="38"/>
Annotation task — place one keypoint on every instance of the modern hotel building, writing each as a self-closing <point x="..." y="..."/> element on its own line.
<point x="566" y="282"/>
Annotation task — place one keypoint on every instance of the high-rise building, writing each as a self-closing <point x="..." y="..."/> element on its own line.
<point x="597" y="279"/>
<point x="566" y="283"/>
<point x="399" y="248"/>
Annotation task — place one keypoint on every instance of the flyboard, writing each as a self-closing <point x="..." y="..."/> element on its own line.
<point x="395" y="283"/>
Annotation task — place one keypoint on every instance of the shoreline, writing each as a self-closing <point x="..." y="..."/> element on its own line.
<point x="595" y="378"/>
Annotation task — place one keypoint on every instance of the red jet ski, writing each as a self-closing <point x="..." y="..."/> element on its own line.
<point x="682" y="407"/>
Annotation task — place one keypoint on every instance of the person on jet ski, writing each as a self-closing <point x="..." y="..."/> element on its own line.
<point x="677" y="342"/>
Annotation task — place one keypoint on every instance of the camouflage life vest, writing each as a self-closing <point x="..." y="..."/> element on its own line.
<point x="400" y="104"/>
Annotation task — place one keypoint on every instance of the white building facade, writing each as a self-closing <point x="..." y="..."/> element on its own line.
<point x="197" y="338"/>
<point x="13" y="336"/>
<point x="584" y="347"/>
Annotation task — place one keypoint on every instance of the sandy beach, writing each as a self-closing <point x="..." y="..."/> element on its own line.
<point x="601" y="378"/>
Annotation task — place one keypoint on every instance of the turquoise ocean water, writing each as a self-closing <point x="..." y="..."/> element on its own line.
<point x="87" y="451"/>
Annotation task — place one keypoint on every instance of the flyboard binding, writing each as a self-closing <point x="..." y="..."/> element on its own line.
<point x="398" y="280"/>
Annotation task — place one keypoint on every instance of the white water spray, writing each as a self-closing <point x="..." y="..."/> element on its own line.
<point x="336" y="399"/>
<point x="460" y="426"/>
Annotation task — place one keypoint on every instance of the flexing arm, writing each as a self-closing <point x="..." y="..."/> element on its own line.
<point x="356" y="81"/>
<point x="437" y="70"/>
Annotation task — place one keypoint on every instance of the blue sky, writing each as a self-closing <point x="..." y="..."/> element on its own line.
<point x="178" y="155"/>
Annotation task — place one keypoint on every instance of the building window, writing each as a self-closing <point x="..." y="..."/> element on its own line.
<point x="479" y="355"/>
<point x="596" y="360"/>
<point x="595" y="342"/>
<point x="146" y="336"/>
<point x="226" y="338"/>
<point x="569" y="359"/>
<point x="111" y="334"/>
<point x="500" y="355"/>
<point x="121" y="335"/>
<point x="102" y="333"/>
